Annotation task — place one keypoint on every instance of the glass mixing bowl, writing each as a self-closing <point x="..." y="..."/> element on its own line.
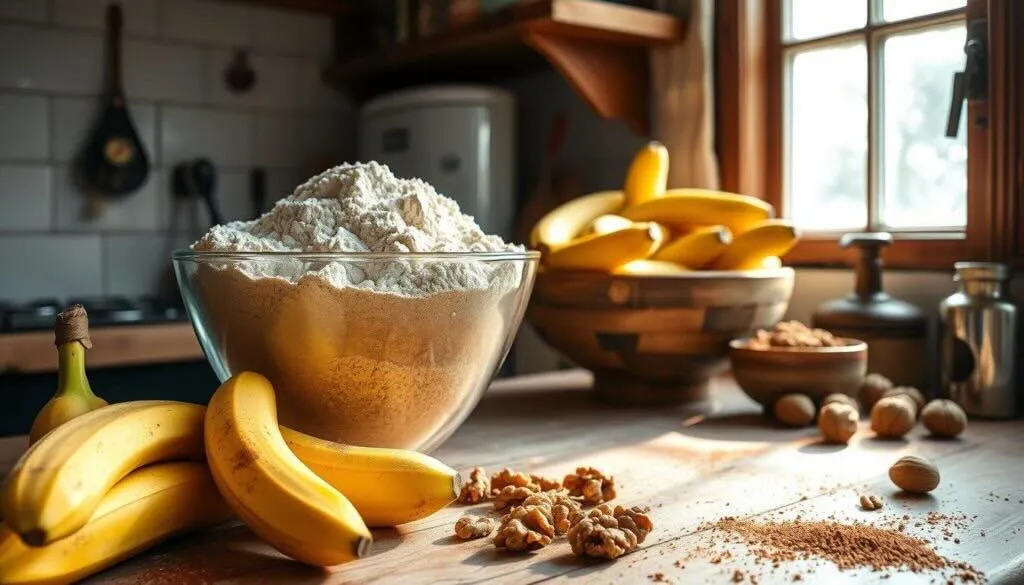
<point x="381" y="350"/>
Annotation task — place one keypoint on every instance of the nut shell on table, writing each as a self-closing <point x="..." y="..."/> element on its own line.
<point x="892" y="417"/>
<point x="914" y="474"/>
<point x="838" y="422"/>
<point x="795" y="410"/>
<point x="872" y="389"/>
<point x="944" y="418"/>
<point x="837" y="398"/>
<point x="910" y="392"/>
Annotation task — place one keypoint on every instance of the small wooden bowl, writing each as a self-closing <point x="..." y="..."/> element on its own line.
<point x="655" y="339"/>
<point x="767" y="374"/>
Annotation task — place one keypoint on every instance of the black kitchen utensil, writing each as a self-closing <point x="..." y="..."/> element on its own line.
<point x="198" y="177"/>
<point x="239" y="75"/>
<point x="258" y="190"/>
<point x="114" y="161"/>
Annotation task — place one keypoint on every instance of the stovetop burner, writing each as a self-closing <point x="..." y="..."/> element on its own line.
<point x="103" y="310"/>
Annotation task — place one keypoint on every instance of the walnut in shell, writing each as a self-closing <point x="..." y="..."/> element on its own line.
<point x="872" y="389"/>
<point x="513" y="495"/>
<point x="795" y="410"/>
<point x="507" y="477"/>
<point x="838" y="422"/>
<point x="470" y="527"/>
<point x="525" y="528"/>
<point x="607" y="532"/>
<point x="476" y="488"/>
<point x="892" y="417"/>
<point x="910" y="392"/>
<point x="944" y="418"/>
<point x="591" y="484"/>
<point x="836" y="397"/>
<point x="914" y="474"/>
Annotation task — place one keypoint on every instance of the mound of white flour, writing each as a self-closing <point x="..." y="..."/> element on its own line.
<point x="385" y="352"/>
<point x="364" y="208"/>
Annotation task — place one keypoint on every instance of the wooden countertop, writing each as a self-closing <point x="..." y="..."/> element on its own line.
<point x="691" y="465"/>
<point x="115" y="345"/>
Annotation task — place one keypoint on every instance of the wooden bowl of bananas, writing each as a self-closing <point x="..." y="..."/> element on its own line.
<point x="647" y="286"/>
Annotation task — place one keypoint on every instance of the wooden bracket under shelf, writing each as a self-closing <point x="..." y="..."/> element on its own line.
<point x="599" y="47"/>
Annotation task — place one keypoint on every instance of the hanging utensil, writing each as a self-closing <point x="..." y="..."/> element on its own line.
<point x="114" y="161"/>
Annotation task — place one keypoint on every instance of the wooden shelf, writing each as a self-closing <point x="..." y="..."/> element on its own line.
<point x="599" y="47"/>
<point x="125" y="345"/>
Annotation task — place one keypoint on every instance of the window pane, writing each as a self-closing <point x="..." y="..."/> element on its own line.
<point x="924" y="173"/>
<point x="806" y="19"/>
<point x="827" y="138"/>
<point x="900" y="9"/>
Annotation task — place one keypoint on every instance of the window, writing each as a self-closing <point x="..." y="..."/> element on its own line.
<point x="836" y="112"/>
<point x="866" y="92"/>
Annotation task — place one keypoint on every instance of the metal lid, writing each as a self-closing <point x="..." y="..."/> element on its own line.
<point x="981" y="271"/>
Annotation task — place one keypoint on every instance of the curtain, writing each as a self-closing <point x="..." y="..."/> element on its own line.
<point x="682" y="98"/>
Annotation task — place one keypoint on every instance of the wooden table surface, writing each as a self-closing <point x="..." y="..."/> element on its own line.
<point x="689" y="464"/>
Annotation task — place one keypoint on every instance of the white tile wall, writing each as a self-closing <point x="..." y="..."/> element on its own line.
<point x="43" y="59"/>
<point x="222" y="135"/>
<point x="175" y="51"/>
<point x="215" y="23"/>
<point x="274" y="85"/>
<point x="27" y="10"/>
<point x="137" y="211"/>
<point x="137" y="264"/>
<point x="74" y="118"/>
<point x="24" y="127"/>
<point x="25" y="198"/>
<point x="50" y="265"/>
<point x="163" y="71"/>
<point x="139" y="15"/>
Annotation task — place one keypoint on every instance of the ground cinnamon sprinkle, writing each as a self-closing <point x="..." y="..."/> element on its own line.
<point x="848" y="546"/>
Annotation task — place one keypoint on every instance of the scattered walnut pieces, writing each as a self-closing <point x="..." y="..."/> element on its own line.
<point x="470" y="527"/>
<point x="545" y="483"/>
<point x="562" y="507"/>
<point x="524" y="528"/>
<point x="507" y="477"/>
<point x="609" y="533"/>
<point x="476" y="489"/>
<point x="871" y="502"/>
<point x="512" y="495"/>
<point x="594" y="486"/>
<point x="793" y="334"/>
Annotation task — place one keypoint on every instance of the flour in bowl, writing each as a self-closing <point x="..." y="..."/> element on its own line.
<point x="365" y="208"/>
<point x="386" y="352"/>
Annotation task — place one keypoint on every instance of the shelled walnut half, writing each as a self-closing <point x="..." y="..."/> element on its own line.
<point x="476" y="489"/>
<point x="526" y="528"/>
<point x="609" y="533"/>
<point x="595" y="487"/>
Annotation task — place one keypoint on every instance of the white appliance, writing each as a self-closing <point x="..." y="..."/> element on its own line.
<point x="457" y="138"/>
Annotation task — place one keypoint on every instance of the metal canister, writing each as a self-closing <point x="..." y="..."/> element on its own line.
<point x="978" y="342"/>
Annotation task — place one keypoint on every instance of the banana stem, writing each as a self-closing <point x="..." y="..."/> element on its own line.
<point x="71" y="378"/>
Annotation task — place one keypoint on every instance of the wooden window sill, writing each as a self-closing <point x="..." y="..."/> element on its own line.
<point x="936" y="254"/>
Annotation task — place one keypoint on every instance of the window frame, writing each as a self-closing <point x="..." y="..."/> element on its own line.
<point x="749" y="134"/>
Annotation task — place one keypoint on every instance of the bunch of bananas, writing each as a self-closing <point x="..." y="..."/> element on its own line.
<point x="100" y="482"/>
<point x="646" y="229"/>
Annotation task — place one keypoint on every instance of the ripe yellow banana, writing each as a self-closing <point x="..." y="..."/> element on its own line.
<point x="564" y="223"/>
<point x="606" y="224"/>
<point x="57" y="484"/>
<point x="687" y="209"/>
<point x="269" y="488"/>
<point x="604" y="252"/>
<point x="74" y="397"/>
<point x="651" y="268"/>
<point x="698" y="248"/>
<point x="750" y="250"/>
<point x="143" y="509"/>
<point x="388" y="487"/>
<point x="647" y="174"/>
